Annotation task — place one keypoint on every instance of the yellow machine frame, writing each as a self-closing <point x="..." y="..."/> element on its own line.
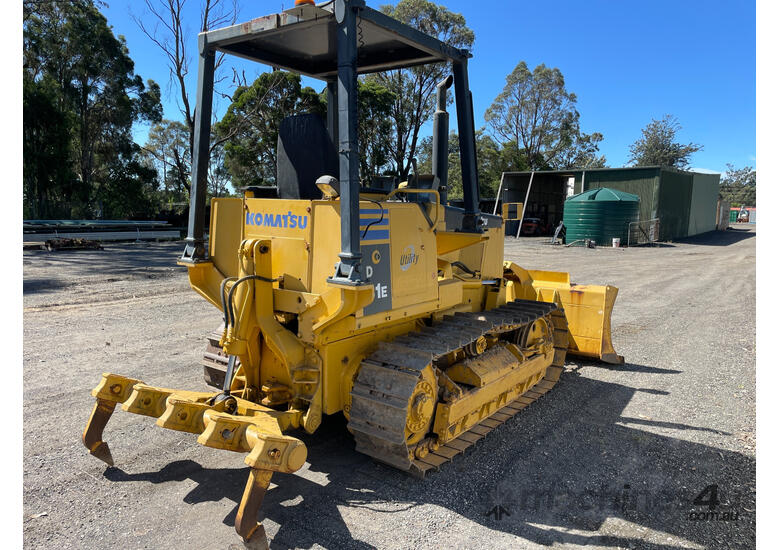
<point x="284" y="274"/>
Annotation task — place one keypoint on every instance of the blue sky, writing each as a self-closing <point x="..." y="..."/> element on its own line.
<point x="627" y="62"/>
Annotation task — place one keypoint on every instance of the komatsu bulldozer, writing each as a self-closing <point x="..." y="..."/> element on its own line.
<point x="384" y="304"/>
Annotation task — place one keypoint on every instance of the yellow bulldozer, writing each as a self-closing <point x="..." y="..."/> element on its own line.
<point x="421" y="334"/>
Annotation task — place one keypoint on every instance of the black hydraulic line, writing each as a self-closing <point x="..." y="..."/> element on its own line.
<point x="464" y="267"/>
<point x="232" y="318"/>
<point x="222" y="297"/>
<point x="224" y="396"/>
<point x="382" y="217"/>
<point x="233" y="289"/>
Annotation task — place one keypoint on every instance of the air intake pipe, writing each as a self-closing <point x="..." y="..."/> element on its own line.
<point x="441" y="136"/>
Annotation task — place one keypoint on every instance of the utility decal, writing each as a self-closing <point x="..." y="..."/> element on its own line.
<point x="288" y="220"/>
<point x="409" y="258"/>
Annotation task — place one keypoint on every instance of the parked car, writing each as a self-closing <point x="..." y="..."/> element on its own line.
<point x="533" y="226"/>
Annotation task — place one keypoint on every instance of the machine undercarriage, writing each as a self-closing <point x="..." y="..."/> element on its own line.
<point x="429" y="395"/>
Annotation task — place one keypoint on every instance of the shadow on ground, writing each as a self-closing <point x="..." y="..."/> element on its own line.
<point x="711" y="238"/>
<point x="116" y="258"/>
<point x="552" y="475"/>
<point x="31" y="286"/>
<point x="731" y="236"/>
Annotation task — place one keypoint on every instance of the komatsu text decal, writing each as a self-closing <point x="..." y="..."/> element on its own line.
<point x="288" y="220"/>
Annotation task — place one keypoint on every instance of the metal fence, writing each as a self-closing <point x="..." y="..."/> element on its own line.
<point x="98" y="230"/>
<point x="643" y="232"/>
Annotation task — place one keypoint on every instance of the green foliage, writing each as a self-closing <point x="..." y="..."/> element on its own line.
<point x="250" y="126"/>
<point x="132" y="193"/>
<point x="414" y="88"/>
<point x="738" y="186"/>
<point x="583" y="152"/>
<point x="218" y="173"/>
<point x="657" y="146"/>
<point x="81" y="76"/>
<point x="536" y="114"/>
<point x="490" y="164"/>
<point x="167" y="150"/>
<point x="375" y="127"/>
<point x="492" y="160"/>
<point x="47" y="175"/>
<point x="513" y="159"/>
<point x="164" y="25"/>
<point x="535" y="126"/>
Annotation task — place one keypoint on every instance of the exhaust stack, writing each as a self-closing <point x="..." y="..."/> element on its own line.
<point x="441" y="134"/>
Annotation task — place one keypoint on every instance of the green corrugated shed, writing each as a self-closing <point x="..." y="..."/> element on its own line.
<point x="674" y="203"/>
<point x="703" y="217"/>
<point x="640" y="182"/>
<point x="684" y="202"/>
<point x="667" y="194"/>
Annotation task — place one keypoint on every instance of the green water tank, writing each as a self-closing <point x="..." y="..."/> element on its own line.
<point x="600" y="215"/>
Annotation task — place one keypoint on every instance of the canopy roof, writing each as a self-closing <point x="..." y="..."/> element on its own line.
<point x="303" y="40"/>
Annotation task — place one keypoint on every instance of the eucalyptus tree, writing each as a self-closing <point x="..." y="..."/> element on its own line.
<point x="85" y="76"/>
<point x="414" y="88"/>
<point x="537" y="113"/>
<point x="250" y="127"/>
<point x="657" y="146"/>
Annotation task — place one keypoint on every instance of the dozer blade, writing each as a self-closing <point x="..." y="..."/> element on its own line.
<point x="588" y="311"/>
<point x="249" y="428"/>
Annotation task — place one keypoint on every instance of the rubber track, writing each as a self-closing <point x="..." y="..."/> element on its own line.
<point x="388" y="377"/>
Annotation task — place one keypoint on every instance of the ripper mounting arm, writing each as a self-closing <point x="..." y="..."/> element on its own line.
<point x="233" y="424"/>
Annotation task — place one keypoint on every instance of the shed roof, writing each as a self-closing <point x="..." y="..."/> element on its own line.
<point x="577" y="171"/>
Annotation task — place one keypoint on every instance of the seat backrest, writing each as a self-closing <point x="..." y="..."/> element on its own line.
<point x="304" y="152"/>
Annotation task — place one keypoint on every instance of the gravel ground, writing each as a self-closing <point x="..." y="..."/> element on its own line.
<point x="613" y="457"/>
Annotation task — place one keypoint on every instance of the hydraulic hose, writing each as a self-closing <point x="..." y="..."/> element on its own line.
<point x="381" y="217"/>
<point x="222" y="285"/>
<point x="233" y="289"/>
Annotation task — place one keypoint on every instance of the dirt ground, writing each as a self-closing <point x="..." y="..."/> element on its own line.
<point x="614" y="456"/>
